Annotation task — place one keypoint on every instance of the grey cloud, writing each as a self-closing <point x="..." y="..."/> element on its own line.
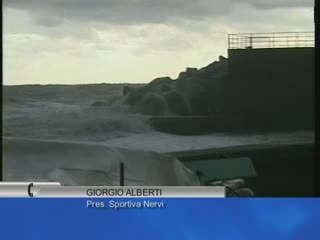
<point x="279" y="3"/>
<point x="53" y="12"/>
<point x="48" y="21"/>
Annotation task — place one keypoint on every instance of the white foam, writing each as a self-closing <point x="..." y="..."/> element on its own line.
<point x="66" y="113"/>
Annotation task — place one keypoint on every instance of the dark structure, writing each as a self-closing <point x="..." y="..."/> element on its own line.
<point x="265" y="85"/>
<point x="283" y="170"/>
<point x="271" y="80"/>
<point x="269" y="87"/>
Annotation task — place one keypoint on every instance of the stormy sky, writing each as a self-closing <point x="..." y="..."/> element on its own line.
<point x="128" y="41"/>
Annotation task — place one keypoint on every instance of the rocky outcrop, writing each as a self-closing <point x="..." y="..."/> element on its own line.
<point x="177" y="103"/>
<point x="152" y="103"/>
<point x="194" y="92"/>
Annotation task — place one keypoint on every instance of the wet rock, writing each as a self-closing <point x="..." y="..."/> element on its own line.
<point x="152" y="104"/>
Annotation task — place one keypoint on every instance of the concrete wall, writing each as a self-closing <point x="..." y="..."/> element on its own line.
<point x="271" y="88"/>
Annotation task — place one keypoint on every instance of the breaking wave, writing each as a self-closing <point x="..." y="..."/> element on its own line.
<point x="85" y="117"/>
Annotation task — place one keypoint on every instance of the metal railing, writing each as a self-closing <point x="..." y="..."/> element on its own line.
<point x="271" y="40"/>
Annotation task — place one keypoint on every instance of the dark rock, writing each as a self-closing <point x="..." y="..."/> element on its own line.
<point x="222" y="59"/>
<point x="158" y="84"/>
<point x="166" y="88"/>
<point x="190" y="72"/>
<point x="178" y="103"/>
<point x="134" y="95"/>
<point x="190" y="93"/>
<point x="152" y="104"/>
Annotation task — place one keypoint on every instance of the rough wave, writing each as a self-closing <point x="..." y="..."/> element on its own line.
<point x="84" y="117"/>
<point x="96" y="113"/>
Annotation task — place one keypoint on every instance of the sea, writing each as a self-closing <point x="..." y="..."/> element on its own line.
<point x="96" y="113"/>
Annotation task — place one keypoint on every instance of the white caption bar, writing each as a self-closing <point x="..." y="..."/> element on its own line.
<point x="55" y="190"/>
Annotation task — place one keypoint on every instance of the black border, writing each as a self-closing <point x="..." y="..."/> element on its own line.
<point x="317" y="99"/>
<point x="1" y="72"/>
